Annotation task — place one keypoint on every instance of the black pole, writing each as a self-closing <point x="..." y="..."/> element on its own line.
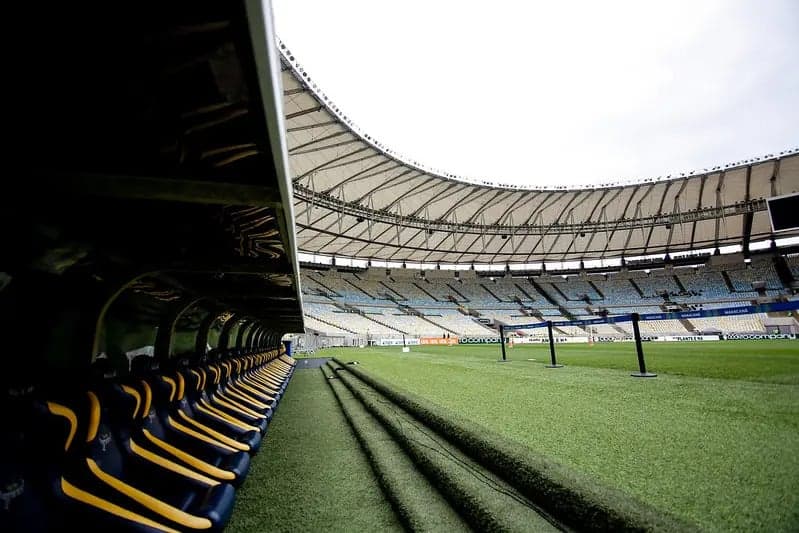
<point x="552" y="347"/>
<point x="642" y="373"/>
<point x="502" y="342"/>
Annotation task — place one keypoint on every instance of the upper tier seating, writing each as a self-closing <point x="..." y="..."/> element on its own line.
<point x="513" y="289"/>
<point x="618" y="292"/>
<point x="656" y="283"/>
<point x="707" y="283"/>
<point x="574" y="289"/>
<point x="793" y="264"/>
<point x="409" y="291"/>
<point x="475" y="293"/>
<point x="743" y="276"/>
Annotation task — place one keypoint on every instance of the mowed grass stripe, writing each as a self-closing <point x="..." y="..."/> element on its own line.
<point x="575" y="500"/>
<point x="719" y="452"/>
<point x="484" y="500"/>
<point x="310" y="474"/>
<point x="419" y="505"/>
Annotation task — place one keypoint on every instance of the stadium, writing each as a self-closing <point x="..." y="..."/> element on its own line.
<point x="226" y="306"/>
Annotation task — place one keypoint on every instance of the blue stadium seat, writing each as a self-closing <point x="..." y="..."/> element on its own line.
<point x="117" y="467"/>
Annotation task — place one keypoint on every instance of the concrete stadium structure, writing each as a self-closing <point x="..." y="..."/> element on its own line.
<point x="397" y="249"/>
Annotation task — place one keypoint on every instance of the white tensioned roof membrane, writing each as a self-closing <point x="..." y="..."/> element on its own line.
<point x="356" y="198"/>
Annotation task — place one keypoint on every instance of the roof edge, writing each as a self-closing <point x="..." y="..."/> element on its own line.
<point x="262" y="32"/>
<point x="303" y="77"/>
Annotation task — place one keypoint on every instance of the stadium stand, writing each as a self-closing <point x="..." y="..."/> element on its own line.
<point x="410" y="293"/>
<point x="439" y="289"/>
<point x="655" y="283"/>
<point x="152" y="271"/>
<point x="480" y="292"/>
<point x="706" y="283"/>
<point x="571" y="289"/>
<point x="731" y="324"/>
<point x="507" y="317"/>
<point x="571" y="331"/>
<point x="604" y="330"/>
<point x="348" y="321"/>
<point x="407" y="302"/>
<point x="452" y="320"/>
<point x="512" y="290"/>
<point x="743" y="276"/>
<point x="659" y="327"/>
<point x="412" y="324"/>
<point x="314" y="324"/>
<point x="793" y="264"/>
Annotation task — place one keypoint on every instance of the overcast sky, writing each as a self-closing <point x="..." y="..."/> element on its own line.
<point x="566" y="93"/>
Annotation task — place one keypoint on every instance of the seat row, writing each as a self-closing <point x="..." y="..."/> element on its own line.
<point x="161" y="448"/>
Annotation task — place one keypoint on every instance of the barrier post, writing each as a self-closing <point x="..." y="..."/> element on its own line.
<point x="405" y="347"/>
<point x="552" y="347"/>
<point x="502" y="343"/>
<point x="642" y="373"/>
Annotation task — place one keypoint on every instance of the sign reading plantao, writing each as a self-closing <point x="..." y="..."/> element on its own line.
<point x="677" y="338"/>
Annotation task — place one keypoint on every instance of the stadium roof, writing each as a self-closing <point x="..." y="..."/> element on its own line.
<point x="354" y="197"/>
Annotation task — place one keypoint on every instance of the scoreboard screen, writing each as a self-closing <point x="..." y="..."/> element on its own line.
<point x="784" y="212"/>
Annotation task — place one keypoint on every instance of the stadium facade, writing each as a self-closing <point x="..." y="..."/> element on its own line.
<point x="398" y="250"/>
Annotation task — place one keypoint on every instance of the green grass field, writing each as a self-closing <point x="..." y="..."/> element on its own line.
<point x="714" y="438"/>
<point x="310" y="474"/>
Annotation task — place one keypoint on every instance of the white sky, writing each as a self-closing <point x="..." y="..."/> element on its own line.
<point x="565" y="93"/>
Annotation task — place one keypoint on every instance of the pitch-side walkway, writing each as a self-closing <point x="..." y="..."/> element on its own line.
<point x="311" y="474"/>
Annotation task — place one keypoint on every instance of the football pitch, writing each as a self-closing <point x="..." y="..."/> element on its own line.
<point x="714" y="438"/>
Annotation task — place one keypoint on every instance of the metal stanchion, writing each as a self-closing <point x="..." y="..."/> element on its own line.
<point x="552" y="347"/>
<point x="642" y="373"/>
<point x="502" y="344"/>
